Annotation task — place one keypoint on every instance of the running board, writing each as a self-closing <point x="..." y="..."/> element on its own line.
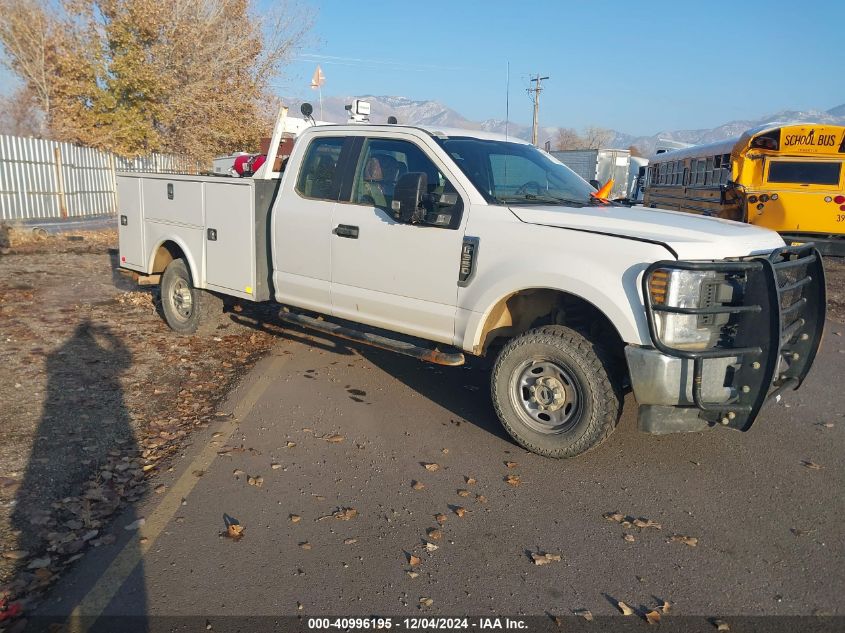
<point x="382" y="342"/>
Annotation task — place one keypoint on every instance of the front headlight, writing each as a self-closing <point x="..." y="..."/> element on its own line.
<point x="689" y="289"/>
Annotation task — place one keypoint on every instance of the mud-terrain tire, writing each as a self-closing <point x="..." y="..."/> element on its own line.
<point x="188" y="310"/>
<point x="553" y="392"/>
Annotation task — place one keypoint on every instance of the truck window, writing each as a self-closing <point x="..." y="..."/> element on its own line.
<point x="319" y="177"/>
<point x="383" y="162"/>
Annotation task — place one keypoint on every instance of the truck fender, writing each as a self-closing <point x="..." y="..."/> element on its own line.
<point x="624" y="311"/>
<point x="186" y="253"/>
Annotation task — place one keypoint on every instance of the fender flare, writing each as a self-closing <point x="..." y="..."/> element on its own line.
<point x="189" y="259"/>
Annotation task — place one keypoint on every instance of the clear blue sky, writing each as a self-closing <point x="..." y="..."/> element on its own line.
<point x="638" y="67"/>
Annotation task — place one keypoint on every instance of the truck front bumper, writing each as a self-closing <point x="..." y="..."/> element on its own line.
<point x="772" y="348"/>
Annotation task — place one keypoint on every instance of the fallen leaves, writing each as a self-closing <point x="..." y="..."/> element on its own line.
<point x="624" y="608"/>
<point x="691" y="541"/>
<point x="460" y="511"/>
<point x="417" y="485"/>
<point x="811" y="465"/>
<point x="513" y="480"/>
<point x="333" y="439"/>
<point x="430" y="547"/>
<point x="440" y="518"/>
<point x="471" y="481"/>
<point x="426" y="602"/>
<point x="235" y="531"/>
<point x="305" y="545"/>
<point x="584" y="613"/>
<point x="543" y="558"/>
<point x="414" y="561"/>
<point x="431" y="467"/>
<point x="463" y="493"/>
<point x="434" y="534"/>
<point x="628" y="538"/>
<point x="341" y="514"/>
<point x="256" y="481"/>
<point x="295" y="518"/>
<point x="721" y="625"/>
<point x="618" y="517"/>
<point x="653" y="617"/>
<point x="511" y="464"/>
<point x="646" y="523"/>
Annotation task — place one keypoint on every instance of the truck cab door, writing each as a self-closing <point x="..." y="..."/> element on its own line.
<point x="397" y="276"/>
<point x="302" y="225"/>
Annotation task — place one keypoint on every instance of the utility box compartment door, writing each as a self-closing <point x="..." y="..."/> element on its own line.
<point x="176" y="200"/>
<point x="130" y="224"/>
<point x="230" y="238"/>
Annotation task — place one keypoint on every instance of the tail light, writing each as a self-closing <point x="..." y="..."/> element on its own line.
<point x="839" y="199"/>
<point x="752" y="199"/>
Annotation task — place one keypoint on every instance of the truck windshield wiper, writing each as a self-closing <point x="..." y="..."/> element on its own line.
<point x="530" y="197"/>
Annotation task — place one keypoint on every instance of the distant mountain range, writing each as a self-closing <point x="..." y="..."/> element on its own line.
<point x="437" y="114"/>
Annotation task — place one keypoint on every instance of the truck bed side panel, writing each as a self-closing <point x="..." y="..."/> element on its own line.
<point x="130" y="227"/>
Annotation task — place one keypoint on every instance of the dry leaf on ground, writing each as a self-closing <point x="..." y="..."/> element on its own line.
<point x="235" y="531"/>
<point x="614" y="516"/>
<point x="629" y="538"/>
<point x="430" y="547"/>
<point x="811" y="465"/>
<point x="665" y="606"/>
<point x="584" y="613"/>
<point x="544" y="558"/>
<point x="686" y="540"/>
<point x="305" y="545"/>
<point x="653" y="617"/>
<point x="471" y="481"/>
<point x="434" y="534"/>
<point x="463" y="493"/>
<point x="481" y="498"/>
<point x="333" y="439"/>
<point x="412" y="574"/>
<point x="513" y="480"/>
<point x="460" y="511"/>
<point x="414" y="561"/>
<point x="341" y="514"/>
<point x="417" y="485"/>
<point x="295" y="518"/>
<point x="431" y="467"/>
<point x="721" y="625"/>
<point x="426" y="602"/>
<point x="440" y="518"/>
<point x="511" y="464"/>
<point x="647" y="523"/>
<point x="624" y="608"/>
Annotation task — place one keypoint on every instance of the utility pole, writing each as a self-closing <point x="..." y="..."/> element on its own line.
<point x="536" y="90"/>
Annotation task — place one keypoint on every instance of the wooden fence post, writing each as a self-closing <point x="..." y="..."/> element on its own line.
<point x="60" y="181"/>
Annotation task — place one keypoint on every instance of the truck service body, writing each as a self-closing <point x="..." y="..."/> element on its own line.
<point x="454" y="242"/>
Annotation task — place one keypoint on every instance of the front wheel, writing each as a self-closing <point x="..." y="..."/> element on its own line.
<point x="187" y="309"/>
<point x="553" y="392"/>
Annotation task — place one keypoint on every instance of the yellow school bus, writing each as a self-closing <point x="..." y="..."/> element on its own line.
<point x="785" y="177"/>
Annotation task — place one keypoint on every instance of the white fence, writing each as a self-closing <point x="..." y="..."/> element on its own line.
<point x="46" y="179"/>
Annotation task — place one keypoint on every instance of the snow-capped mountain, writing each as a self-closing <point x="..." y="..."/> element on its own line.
<point x="435" y="113"/>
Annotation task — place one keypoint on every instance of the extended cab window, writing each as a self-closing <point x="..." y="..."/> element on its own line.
<point x="320" y="177"/>
<point x="384" y="161"/>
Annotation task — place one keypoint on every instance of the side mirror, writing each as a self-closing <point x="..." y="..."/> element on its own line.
<point x="408" y="197"/>
<point x="595" y="183"/>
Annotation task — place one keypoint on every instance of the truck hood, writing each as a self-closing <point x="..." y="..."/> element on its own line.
<point x="690" y="236"/>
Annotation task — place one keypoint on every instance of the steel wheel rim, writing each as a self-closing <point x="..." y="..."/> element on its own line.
<point x="547" y="396"/>
<point x="182" y="300"/>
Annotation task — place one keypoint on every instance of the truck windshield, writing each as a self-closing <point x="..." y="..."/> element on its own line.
<point x="507" y="173"/>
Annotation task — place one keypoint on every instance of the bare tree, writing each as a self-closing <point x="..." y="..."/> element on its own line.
<point x="635" y="151"/>
<point x="25" y="35"/>
<point x="19" y="114"/>
<point x="597" y="137"/>
<point x="567" y="138"/>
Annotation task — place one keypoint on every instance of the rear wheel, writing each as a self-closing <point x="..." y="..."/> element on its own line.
<point x="553" y="392"/>
<point x="187" y="309"/>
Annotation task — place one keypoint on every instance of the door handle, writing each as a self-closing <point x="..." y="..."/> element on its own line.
<point x="346" y="230"/>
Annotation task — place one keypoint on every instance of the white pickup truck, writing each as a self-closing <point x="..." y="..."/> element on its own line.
<point x="441" y="243"/>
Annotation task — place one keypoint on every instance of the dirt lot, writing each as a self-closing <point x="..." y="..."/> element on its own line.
<point x="96" y="393"/>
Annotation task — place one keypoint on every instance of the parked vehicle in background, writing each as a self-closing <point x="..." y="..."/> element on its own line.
<point x="600" y="166"/>
<point x="440" y="243"/>
<point x="637" y="176"/>
<point x="787" y="178"/>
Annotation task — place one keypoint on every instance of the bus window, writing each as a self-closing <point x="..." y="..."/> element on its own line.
<point x="804" y="173"/>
